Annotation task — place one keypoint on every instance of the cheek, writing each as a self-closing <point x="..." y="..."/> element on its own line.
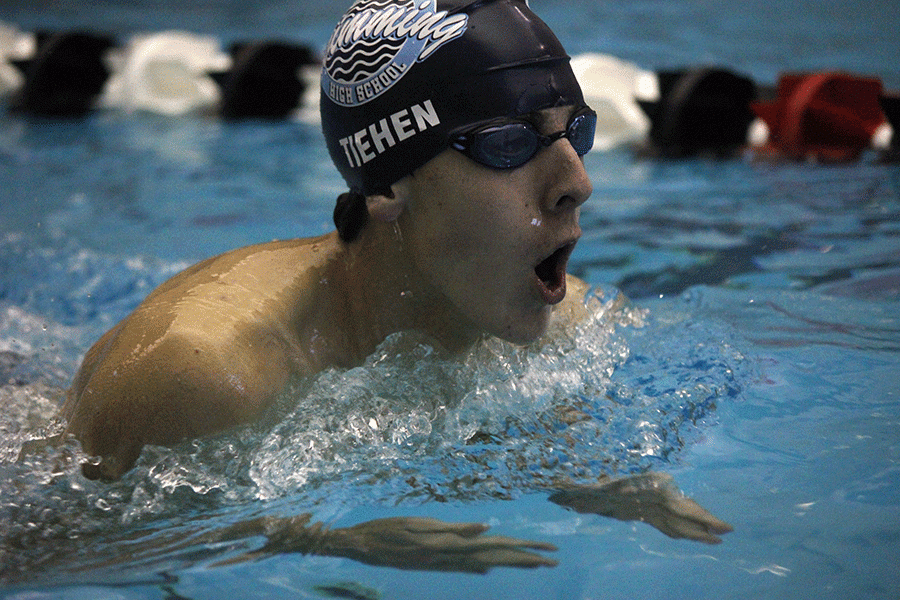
<point x="471" y="224"/>
<point x="482" y="242"/>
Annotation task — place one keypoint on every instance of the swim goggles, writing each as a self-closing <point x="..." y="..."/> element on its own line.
<point x="514" y="143"/>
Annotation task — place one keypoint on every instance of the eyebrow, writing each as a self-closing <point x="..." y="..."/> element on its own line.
<point x="536" y="118"/>
<point x="539" y="118"/>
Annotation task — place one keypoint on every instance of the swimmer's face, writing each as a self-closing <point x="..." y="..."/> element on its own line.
<point x="495" y="243"/>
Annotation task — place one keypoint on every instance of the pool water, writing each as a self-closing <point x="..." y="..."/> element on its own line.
<point x="757" y="359"/>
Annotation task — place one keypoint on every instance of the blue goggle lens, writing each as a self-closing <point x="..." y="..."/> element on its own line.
<point x="513" y="144"/>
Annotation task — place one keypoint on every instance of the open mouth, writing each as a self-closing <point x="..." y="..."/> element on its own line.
<point x="551" y="272"/>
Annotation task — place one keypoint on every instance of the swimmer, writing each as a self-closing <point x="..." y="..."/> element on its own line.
<point x="460" y="129"/>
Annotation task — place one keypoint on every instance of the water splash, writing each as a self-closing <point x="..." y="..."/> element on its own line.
<point x="620" y="393"/>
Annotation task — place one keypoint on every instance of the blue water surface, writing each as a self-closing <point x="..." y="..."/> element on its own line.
<point x="757" y="361"/>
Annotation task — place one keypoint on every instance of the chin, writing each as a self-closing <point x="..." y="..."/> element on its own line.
<point x="527" y="329"/>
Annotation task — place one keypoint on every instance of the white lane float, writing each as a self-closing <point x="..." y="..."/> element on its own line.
<point x="612" y="87"/>
<point x="166" y="73"/>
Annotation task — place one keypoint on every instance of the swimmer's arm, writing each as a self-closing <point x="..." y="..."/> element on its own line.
<point x="413" y="543"/>
<point x="650" y="497"/>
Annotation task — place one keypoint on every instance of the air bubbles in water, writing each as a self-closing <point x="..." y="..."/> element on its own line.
<point x="611" y="395"/>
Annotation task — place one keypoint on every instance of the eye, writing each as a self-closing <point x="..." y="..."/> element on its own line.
<point x="581" y="132"/>
<point x="508" y="145"/>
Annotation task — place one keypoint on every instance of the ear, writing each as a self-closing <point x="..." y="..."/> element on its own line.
<point x="388" y="206"/>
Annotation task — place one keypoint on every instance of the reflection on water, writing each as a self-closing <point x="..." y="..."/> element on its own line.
<point x="410" y="425"/>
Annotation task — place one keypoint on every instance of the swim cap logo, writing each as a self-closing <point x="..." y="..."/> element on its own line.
<point x="378" y="41"/>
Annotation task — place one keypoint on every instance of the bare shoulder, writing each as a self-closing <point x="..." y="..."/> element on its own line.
<point x="265" y="269"/>
<point x="207" y="350"/>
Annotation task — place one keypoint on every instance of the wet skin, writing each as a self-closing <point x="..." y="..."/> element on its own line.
<point x="452" y="251"/>
<point x="456" y="250"/>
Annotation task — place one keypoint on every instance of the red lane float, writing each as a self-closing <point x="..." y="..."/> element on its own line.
<point x="825" y="117"/>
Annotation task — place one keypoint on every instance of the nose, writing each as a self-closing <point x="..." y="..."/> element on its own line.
<point x="567" y="183"/>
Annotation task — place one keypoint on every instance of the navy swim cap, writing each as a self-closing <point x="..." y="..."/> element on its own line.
<point x="402" y="77"/>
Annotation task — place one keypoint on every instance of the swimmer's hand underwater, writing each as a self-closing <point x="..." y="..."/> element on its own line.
<point x="423" y="544"/>
<point x="652" y="498"/>
<point x="414" y="543"/>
